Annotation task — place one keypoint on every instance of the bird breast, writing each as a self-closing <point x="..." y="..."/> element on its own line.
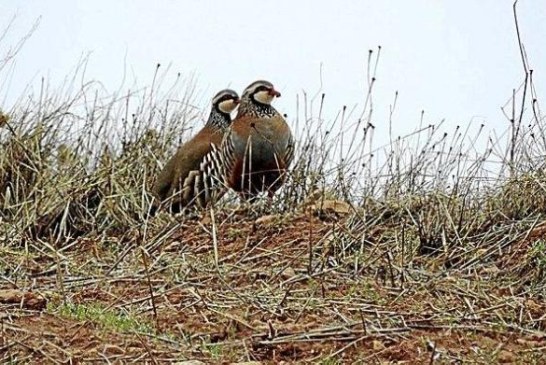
<point x="264" y="140"/>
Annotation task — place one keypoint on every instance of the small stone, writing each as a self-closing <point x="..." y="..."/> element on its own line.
<point x="377" y="345"/>
<point x="331" y="208"/>
<point x="288" y="273"/>
<point x="506" y="357"/>
<point x="25" y="299"/>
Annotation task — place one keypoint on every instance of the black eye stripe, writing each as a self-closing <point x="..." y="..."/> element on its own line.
<point x="262" y="88"/>
<point x="226" y="98"/>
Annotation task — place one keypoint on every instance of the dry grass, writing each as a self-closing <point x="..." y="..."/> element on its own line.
<point x="428" y="249"/>
<point x="426" y="257"/>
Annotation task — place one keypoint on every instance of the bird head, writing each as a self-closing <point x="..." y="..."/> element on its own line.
<point x="226" y="101"/>
<point x="261" y="91"/>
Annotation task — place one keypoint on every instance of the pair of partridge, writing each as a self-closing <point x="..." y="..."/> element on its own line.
<point x="181" y="183"/>
<point x="250" y="154"/>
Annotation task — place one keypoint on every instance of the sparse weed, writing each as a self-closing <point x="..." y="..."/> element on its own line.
<point x="330" y="361"/>
<point x="215" y="350"/>
<point x="105" y="318"/>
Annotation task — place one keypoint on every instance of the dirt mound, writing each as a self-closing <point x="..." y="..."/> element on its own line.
<point x="271" y="289"/>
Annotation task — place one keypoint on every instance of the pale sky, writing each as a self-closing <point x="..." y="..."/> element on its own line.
<point x="457" y="60"/>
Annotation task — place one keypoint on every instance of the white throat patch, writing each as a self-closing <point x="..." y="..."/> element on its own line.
<point x="227" y="106"/>
<point x="264" y="97"/>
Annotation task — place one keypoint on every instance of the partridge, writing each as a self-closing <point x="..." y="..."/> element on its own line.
<point x="258" y="146"/>
<point x="182" y="183"/>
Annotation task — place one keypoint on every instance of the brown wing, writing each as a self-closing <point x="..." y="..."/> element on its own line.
<point x="186" y="159"/>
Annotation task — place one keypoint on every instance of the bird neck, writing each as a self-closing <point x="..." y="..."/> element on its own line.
<point x="219" y="120"/>
<point x="256" y="109"/>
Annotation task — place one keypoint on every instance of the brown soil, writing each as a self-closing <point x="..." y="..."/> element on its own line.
<point x="283" y="290"/>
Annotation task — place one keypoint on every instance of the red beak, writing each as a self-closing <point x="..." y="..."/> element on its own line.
<point x="274" y="92"/>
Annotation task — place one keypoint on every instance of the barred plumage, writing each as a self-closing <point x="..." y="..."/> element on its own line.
<point x="185" y="180"/>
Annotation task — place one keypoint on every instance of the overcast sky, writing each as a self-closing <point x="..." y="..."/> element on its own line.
<point x="457" y="60"/>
